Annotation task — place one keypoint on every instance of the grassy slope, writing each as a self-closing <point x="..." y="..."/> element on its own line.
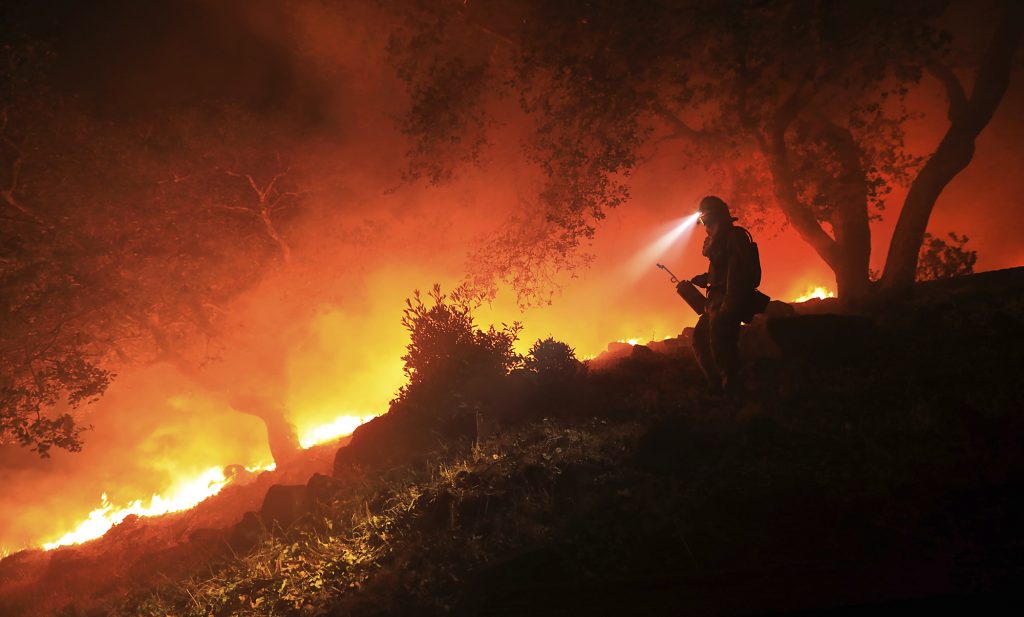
<point x="887" y="468"/>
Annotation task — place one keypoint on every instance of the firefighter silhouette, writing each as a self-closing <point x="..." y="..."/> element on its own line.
<point x="734" y="272"/>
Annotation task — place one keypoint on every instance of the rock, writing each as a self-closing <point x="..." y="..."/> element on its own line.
<point x="778" y="308"/>
<point x="285" y="504"/>
<point x="390" y="440"/>
<point x="670" y="346"/>
<point x="643" y="351"/>
<point x="617" y="349"/>
<point x="322" y="488"/>
<point x="817" y="306"/>
<point x="246" y="533"/>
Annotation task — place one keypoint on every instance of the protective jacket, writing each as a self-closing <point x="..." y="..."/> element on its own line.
<point x="733" y="274"/>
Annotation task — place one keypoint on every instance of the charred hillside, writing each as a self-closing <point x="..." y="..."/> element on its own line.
<point x="875" y="461"/>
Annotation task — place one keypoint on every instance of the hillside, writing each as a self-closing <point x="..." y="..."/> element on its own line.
<point x="875" y="462"/>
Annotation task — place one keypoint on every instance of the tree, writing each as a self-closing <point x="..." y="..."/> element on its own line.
<point x="119" y="247"/>
<point x="797" y="107"/>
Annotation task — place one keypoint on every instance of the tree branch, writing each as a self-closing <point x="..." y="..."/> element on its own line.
<point x="954" y="152"/>
<point x="8" y="192"/>
<point x="265" y="205"/>
<point x="954" y="89"/>
<point x="239" y="209"/>
<point x="773" y="146"/>
<point x="680" y="128"/>
<point x="792" y="106"/>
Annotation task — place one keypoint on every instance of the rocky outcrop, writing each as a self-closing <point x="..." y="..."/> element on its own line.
<point x="284" y="505"/>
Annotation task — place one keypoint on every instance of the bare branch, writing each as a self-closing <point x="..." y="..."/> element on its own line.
<point x="265" y="205"/>
<point x="175" y="179"/>
<point x="12" y="200"/>
<point x="273" y="181"/>
<point x="239" y="209"/>
<point x="275" y="204"/>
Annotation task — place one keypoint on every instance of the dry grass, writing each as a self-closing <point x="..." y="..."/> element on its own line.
<point x="405" y="537"/>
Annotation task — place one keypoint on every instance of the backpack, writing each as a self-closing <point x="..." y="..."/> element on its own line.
<point x="752" y="260"/>
<point x="752" y="264"/>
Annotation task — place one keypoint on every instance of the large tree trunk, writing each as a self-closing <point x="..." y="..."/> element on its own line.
<point x="849" y="219"/>
<point x="967" y="119"/>
<point x="853" y="285"/>
<point x="281" y="435"/>
<point x="849" y="252"/>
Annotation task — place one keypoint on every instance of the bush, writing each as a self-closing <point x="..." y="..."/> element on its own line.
<point x="553" y="359"/>
<point x="449" y="361"/>
<point x="940" y="259"/>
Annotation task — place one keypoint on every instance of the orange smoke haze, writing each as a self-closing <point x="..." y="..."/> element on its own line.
<point x="323" y="334"/>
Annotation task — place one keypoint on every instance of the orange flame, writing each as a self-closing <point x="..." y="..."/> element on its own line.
<point x="339" y="427"/>
<point x="181" y="497"/>
<point x="189" y="492"/>
<point x="642" y="341"/>
<point x="816" y="293"/>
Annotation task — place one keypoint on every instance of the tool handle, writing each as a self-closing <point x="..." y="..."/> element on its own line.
<point x="674" y="278"/>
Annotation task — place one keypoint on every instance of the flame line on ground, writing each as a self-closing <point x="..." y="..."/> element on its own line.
<point x="188" y="494"/>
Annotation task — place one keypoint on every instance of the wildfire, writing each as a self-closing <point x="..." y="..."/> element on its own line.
<point x="341" y="426"/>
<point x="182" y="497"/>
<point x="817" y="293"/>
<point x="189" y="492"/>
<point x="639" y="341"/>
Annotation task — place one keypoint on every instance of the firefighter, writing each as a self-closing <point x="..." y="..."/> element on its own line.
<point x="733" y="275"/>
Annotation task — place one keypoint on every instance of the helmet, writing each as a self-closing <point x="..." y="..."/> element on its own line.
<point x="713" y="209"/>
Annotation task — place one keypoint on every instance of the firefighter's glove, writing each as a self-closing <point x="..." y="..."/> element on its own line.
<point x="701" y="280"/>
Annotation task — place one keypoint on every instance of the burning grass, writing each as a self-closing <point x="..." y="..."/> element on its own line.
<point x="404" y="538"/>
<point x="190" y="491"/>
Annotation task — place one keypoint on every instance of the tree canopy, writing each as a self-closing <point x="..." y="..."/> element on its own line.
<point x="120" y="242"/>
<point x="796" y="107"/>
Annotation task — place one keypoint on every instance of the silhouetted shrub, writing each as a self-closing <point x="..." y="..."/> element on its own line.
<point x="552" y="359"/>
<point x="450" y="363"/>
<point x="940" y="259"/>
